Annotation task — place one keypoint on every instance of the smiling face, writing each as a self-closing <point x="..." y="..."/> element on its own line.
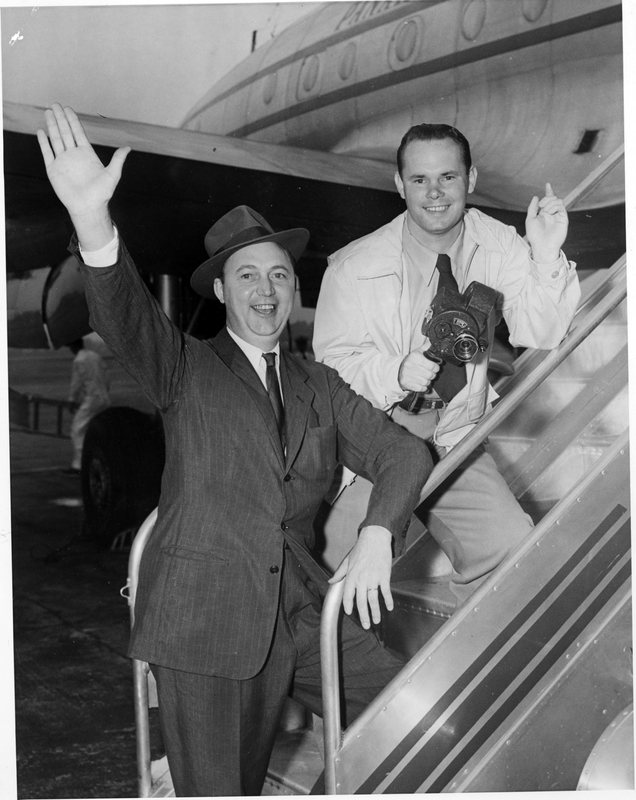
<point x="435" y="185"/>
<point x="258" y="290"/>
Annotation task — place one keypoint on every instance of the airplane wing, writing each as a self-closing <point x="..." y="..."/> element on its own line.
<point x="175" y="184"/>
<point x="213" y="149"/>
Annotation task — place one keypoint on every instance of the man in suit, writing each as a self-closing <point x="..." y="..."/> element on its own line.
<point x="229" y="597"/>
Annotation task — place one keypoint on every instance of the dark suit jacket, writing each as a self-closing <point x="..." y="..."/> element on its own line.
<point x="210" y="574"/>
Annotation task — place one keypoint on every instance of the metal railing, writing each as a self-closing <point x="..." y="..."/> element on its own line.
<point x="141" y="670"/>
<point x="533" y="375"/>
<point x="26" y="412"/>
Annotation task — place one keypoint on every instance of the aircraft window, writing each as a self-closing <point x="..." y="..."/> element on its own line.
<point x="474" y="17"/>
<point x="347" y="61"/>
<point x="269" y="87"/>
<point x="532" y="9"/>
<point x="309" y="73"/>
<point x="405" y="43"/>
<point x="406" y="40"/>
<point x="588" y="141"/>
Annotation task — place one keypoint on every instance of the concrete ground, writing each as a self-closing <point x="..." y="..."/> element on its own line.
<point x="74" y="717"/>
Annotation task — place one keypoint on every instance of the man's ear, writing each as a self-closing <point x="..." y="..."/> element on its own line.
<point x="399" y="184"/>
<point x="218" y="290"/>
<point x="472" y="179"/>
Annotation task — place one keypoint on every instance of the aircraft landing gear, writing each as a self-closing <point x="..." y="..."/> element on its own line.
<point x="122" y="463"/>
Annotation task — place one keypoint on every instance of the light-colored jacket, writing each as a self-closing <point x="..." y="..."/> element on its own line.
<point x="90" y="383"/>
<point x="363" y="325"/>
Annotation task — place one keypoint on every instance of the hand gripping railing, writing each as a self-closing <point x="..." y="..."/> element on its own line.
<point x="329" y="622"/>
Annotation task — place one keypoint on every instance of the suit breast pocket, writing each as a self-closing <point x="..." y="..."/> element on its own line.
<point x="319" y="452"/>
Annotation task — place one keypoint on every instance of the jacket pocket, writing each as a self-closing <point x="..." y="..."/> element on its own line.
<point x="317" y="454"/>
<point x="192" y="555"/>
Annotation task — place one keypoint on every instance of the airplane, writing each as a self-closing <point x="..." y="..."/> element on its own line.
<point x="305" y="130"/>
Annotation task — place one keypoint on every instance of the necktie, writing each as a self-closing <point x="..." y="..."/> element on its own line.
<point x="273" y="390"/>
<point x="451" y="378"/>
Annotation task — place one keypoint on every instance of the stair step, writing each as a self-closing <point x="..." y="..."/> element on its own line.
<point x="296" y="763"/>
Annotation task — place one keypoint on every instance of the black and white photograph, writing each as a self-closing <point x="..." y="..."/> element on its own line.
<point x="316" y="443"/>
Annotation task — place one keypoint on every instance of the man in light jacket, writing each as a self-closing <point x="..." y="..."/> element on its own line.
<point x="373" y="299"/>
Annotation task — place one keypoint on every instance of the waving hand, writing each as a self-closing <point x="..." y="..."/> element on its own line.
<point x="80" y="180"/>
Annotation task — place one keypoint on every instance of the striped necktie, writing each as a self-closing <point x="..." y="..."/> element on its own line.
<point x="273" y="390"/>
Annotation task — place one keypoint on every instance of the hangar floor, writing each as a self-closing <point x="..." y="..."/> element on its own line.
<point x="75" y="732"/>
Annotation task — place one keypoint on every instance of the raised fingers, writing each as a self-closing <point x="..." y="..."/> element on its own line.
<point x="45" y="147"/>
<point x="66" y="137"/>
<point x="53" y="130"/>
<point x="76" y="127"/>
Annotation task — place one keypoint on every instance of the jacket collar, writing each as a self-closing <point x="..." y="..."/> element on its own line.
<point x="297" y="395"/>
<point x="478" y="234"/>
<point x="298" y="402"/>
<point x="238" y="363"/>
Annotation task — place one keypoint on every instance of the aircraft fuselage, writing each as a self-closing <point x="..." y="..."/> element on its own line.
<point x="535" y="85"/>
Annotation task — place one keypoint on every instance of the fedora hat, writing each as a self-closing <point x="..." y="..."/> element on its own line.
<point x="239" y="228"/>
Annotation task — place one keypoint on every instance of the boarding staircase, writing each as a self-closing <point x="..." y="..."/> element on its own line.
<point x="528" y="684"/>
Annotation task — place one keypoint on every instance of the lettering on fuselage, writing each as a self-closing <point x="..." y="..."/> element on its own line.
<point x="359" y="12"/>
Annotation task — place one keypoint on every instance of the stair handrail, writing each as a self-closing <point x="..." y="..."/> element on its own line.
<point x="140" y="668"/>
<point x="576" y="334"/>
<point x="593" y="290"/>
<point x="594" y="177"/>
<point x="332" y="730"/>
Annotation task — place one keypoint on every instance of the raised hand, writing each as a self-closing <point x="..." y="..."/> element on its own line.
<point x="546" y="226"/>
<point x="80" y="180"/>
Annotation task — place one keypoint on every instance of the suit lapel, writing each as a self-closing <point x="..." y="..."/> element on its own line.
<point x="234" y="358"/>
<point x="298" y="398"/>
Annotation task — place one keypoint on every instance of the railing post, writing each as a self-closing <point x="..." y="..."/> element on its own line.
<point x="140" y="668"/>
<point x="331" y="682"/>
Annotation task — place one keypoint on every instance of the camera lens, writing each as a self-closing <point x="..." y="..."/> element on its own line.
<point x="465" y="347"/>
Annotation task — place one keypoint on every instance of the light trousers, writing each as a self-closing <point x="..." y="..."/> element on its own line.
<point x="473" y="516"/>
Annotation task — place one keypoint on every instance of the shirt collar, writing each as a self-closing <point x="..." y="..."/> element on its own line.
<point x="254" y="354"/>
<point x="424" y="257"/>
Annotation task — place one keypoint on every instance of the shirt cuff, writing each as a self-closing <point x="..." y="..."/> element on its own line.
<point x="394" y="393"/>
<point x="106" y="256"/>
<point x="554" y="270"/>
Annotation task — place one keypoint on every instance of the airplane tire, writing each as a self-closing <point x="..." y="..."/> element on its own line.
<point x="122" y="462"/>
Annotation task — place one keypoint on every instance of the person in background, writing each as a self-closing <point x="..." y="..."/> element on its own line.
<point x="89" y="390"/>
